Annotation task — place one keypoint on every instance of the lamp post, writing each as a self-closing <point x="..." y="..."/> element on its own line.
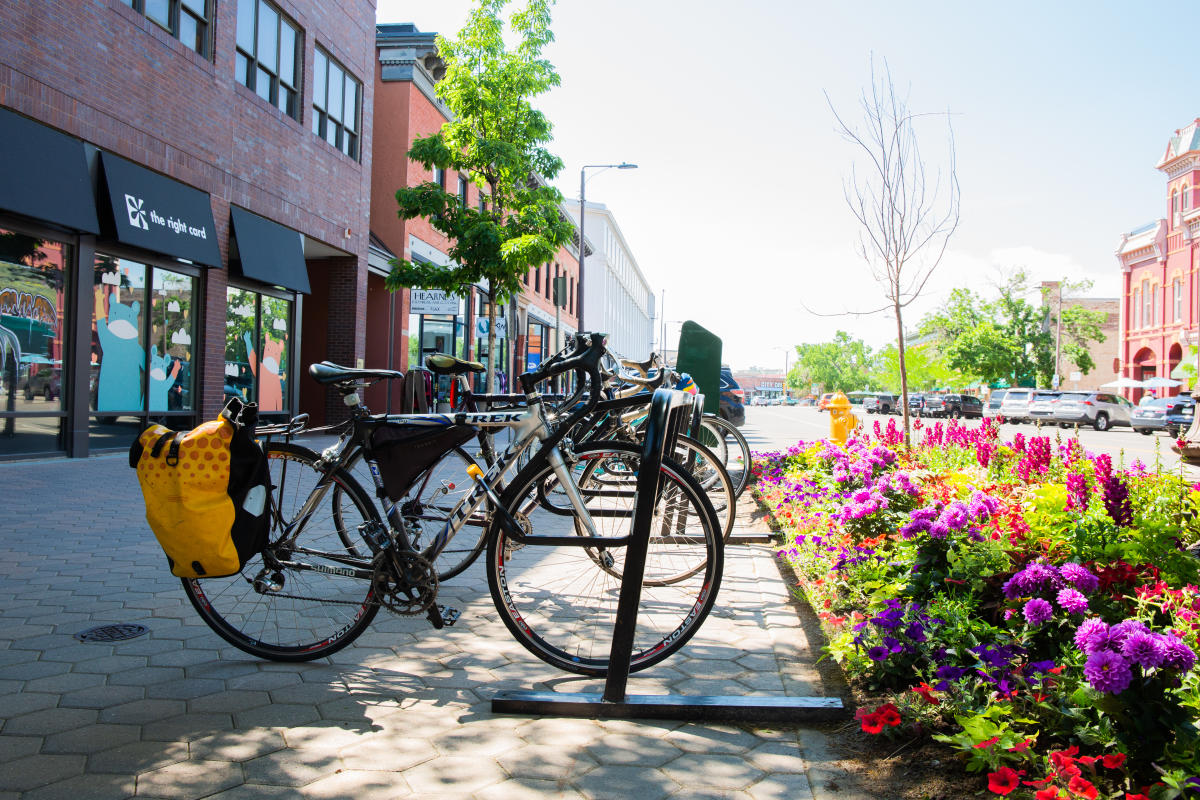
<point x="582" y="211"/>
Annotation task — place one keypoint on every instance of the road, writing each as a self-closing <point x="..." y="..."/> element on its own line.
<point x="780" y="427"/>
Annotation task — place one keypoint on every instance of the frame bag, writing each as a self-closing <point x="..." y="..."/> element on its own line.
<point x="403" y="452"/>
<point x="206" y="492"/>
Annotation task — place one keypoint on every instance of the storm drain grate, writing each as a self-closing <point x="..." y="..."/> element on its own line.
<point x="112" y="633"/>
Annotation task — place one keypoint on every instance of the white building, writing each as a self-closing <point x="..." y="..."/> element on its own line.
<point x="617" y="299"/>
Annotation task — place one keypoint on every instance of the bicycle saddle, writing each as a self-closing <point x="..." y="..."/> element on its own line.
<point x="327" y="372"/>
<point x="442" y="364"/>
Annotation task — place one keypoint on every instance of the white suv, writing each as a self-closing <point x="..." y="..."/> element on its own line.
<point x="1015" y="406"/>
<point x="1098" y="409"/>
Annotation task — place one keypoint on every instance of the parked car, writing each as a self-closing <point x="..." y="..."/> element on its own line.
<point x="1015" y="406"/>
<point x="1179" y="414"/>
<point x="916" y="404"/>
<point x="732" y="408"/>
<point x="1041" y="405"/>
<point x="807" y="401"/>
<point x="46" y="382"/>
<point x="1098" y="409"/>
<point x="1150" y="416"/>
<point x="992" y="407"/>
<point x="953" y="406"/>
<point x="880" y="403"/>
<point x="823" y="403"/>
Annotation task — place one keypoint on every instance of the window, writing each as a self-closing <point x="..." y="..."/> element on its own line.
<point x="483" y="206"/>
<point x="257" y="349"/>
<point x="1147" y="313"/>
<point x="462" y="191"/>
<point x="1177" y="288"/>
<point x="268" y="55"/>
<point x="1187" y="198"/>
<point x="1175" y="209"/>
<point x="439" y="177"/>
<point x="1156" y="312"/>
<point x="537" y="279"/>
<point x="1135" y="315"/>
<point x="336" y="100"/>
<point x="571" y="295"/>
<point x="186" y="20"/>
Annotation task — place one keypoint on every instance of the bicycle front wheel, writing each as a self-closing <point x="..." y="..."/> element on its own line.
<point x="288" y="603"/>
<point x="560" y="601"/>
<point x="723" y="438"/>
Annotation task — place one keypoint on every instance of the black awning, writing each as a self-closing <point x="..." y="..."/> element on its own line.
<point x="269" y="252"/>
<point x="44" y="174"/>
<point x="160" y="214"/>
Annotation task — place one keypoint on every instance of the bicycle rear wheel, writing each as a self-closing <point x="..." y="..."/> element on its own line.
<point x="560" y="601"/>
<point x="426" y="511"/>
<point x="286" y="604"/>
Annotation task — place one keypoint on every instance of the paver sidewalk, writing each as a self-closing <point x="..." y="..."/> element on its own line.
<point x="403" y="712"/>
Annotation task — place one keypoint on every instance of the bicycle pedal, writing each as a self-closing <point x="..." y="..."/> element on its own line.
<point x="449" y="615"/>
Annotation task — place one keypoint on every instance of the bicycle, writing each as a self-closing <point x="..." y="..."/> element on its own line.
<point x="328" y="568"/>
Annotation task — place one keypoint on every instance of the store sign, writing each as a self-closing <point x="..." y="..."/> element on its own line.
<point x="160" y="214"/>
<point x="481" y="328"/>
<point x="432" y="301"/>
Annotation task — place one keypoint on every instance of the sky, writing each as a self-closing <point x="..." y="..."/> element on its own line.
<point x="736" y="214"/>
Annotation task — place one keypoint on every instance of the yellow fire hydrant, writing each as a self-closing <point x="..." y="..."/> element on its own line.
<point x="841" y="420"/>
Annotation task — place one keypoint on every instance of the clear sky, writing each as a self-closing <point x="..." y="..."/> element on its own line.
<point x="1060" y="112"/>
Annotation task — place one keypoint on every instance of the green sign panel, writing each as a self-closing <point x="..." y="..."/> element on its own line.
<point x="700" y="357"/>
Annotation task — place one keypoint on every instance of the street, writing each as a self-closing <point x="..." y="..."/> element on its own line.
<point x="780" y="427"/>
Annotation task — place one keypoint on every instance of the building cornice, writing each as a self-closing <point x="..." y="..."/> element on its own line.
<point x="407" y="54"/>
<point x="1178" y="166"/>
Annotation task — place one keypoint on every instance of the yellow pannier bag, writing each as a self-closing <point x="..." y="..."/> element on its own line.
<point x="206" y="492"/>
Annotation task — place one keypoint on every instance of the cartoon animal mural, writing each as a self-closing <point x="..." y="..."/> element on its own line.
<point x="160" y="379"/>
<point x="120" y="385"/>
<point x="270" y="378"/>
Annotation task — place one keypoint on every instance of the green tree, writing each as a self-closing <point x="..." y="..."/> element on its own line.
<point x="843" y="365"/>
<point x="497" y="138"/>
<point x="927" y="368"/>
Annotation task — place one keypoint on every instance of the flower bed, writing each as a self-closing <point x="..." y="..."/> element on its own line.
<point x="1030" y="604"/>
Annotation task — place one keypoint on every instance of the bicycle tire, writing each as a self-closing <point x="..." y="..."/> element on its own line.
<point x="561" y="607"/>
<point x="313" y="614"/>
<point x="733" y="443"/>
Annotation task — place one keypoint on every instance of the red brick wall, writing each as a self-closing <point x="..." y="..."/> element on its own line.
<point x="106" y="74"/>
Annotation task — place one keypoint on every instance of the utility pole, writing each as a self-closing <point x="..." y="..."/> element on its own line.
<point x="1058" y="338"/>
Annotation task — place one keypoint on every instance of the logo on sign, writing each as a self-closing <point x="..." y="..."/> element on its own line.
<point x="137" y="214"/>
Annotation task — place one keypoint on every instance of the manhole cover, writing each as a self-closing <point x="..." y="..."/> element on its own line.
<point x="111" y="633"/>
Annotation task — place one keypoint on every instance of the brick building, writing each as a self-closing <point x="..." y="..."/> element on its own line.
<point x="407" y="325"/>
<point x="1160" y="311"/>
<point x="1104" y="353"/>
<point x="183" y="211"/>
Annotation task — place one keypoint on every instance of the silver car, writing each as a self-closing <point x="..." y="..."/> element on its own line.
<point x="1015" y="406"/>
<point x="992" y="407"/>
<point x="1098" y="409"/>
<point x="1041" y="405"/>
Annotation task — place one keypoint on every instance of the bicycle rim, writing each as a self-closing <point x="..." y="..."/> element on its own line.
<point x="310" y="614"/>
<point x="559" y="602"/>
<point x="731" y="447"/>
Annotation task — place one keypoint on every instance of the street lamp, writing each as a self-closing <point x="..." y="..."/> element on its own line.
<point x="582" y="190"/>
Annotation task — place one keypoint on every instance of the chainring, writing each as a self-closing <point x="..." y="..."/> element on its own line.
<point x="404" y="583"/>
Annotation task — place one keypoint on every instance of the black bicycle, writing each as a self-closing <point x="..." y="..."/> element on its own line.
<point x="334" y="560"/>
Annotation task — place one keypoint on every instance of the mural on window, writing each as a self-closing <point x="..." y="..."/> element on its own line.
<point x="32" y="299"/>
<point x="126" y="319"/>
<point x="257" y="349"/>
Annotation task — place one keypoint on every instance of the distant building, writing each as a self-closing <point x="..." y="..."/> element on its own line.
<point x="1160" y="307"/>
<point x="617" y="298"/>
<point x="1104" y="353"/>
<point x="760" y="383"/>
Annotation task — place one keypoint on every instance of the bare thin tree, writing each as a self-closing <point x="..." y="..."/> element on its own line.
<point x="906" y="218"/>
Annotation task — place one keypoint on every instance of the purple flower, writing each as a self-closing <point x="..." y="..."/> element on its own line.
<point x="1072" y="601"/>
<point x="1092" y="635"/>
<point x="1108" y="672"/>
<point x="1116" y="501"/>
<point x="1038" y="611"/>
<point x="1080" y="577"/>
<point x="1143" y="648"/>
<point x="1176" y="654"/>
<point x="939" y="530"/>
<point x="1077" y="493"/>
<point x="878" y="653"/>
<point x="1118" y="633"/>
<point x="955" y="517"/>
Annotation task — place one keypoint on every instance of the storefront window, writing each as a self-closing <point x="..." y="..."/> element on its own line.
<point x="258" y="349"/>
<point x="32" y="327"/>
<point x="481" y="345"/>
<point x="141" y="365"/>
<point x="535" y="345"/>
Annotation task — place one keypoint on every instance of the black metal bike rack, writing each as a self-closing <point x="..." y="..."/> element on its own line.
<point x="669" y="409"/>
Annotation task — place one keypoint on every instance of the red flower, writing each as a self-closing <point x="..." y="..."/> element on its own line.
<point x="1114" y="761"/>
<point x="926" y="693"/>
<point x="1049" y="793"/>
<point x="1081" y="787"/>
<point x="1129" y="796"/>
<point x="888" y="714"/>
<point x="1022" y="747"/>
<point x="1087" y="761"/>
<point x="984" y="745"/>
<point x="1004" y="780"/>
<point x="871" y="723"/>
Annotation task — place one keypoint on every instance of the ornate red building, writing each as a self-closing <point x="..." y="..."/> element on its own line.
<point x="1160" y="313"/>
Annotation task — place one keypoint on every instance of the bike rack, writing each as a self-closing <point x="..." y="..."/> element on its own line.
<point x="668" y="409"/>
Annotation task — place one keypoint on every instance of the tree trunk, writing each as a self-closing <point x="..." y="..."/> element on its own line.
<point x="491" y="362"/>
<point x="903" y="370"/>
